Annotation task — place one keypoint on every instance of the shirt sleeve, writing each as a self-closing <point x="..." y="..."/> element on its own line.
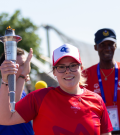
<point x="27" y="107"/>
<point x="106" y="125"/>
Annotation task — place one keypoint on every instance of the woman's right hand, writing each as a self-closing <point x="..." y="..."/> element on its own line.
<point x="8" y="67"/>
<point x="27" y="67"/>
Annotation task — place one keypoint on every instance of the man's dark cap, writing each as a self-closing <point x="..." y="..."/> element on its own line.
<point x="105" y="34"/>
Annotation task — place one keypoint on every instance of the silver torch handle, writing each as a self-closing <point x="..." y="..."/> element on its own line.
<point x="12" y="88"/>
<point x="10" y="48"/>
<point x="10" y="41"/>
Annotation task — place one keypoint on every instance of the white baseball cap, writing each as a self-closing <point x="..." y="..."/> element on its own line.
<point x="66" y="50"/>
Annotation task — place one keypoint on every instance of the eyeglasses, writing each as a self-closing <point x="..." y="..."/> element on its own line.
<point x="72" y="67"/>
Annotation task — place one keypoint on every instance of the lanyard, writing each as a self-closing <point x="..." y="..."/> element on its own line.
<point x="101" y="86"/>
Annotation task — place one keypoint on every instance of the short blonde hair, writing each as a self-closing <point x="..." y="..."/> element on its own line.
<point x="83" y="79"/>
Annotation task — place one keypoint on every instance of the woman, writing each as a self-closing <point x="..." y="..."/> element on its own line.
<point x="69" y="109"/>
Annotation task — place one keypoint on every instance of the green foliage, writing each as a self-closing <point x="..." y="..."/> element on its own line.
<point x="24" y="28"/>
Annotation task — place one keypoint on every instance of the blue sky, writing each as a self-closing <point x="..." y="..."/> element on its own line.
<point x="78" y="19"/>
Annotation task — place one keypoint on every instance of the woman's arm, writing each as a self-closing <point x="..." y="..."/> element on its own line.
<point x="20" y="81"/>
<point x="6" y="117"/>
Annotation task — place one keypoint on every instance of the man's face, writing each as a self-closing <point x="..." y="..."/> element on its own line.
<point x="106" y="50"/>
<point x="20" y="60"/>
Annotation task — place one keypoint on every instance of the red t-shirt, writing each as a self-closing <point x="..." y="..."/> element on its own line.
<point x="108" y="85"/>
<point x="55" y="112"/>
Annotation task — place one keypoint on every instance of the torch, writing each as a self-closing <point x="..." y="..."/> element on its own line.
<point x="10" y="41"/>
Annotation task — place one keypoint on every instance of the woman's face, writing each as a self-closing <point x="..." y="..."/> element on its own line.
<point x="68" y="81"/>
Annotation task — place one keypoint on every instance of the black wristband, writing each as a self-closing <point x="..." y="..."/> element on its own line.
<point x="4" y="83"/>
<point x="22" y="76"/>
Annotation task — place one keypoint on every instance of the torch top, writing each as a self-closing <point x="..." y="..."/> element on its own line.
<point x="9" y="31"/>
<point x="10" y="36"/>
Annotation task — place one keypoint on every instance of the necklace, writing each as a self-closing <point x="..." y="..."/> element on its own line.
<point x="107" y="75"/>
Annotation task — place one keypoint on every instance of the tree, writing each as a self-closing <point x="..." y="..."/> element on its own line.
<point x="24" y="28"/>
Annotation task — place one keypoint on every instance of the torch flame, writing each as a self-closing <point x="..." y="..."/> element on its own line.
<point x="10" y="28"/>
